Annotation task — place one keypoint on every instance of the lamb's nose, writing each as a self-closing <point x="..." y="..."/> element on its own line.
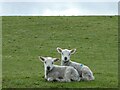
<point x="65" y="58"/>
<point x="48" y="67"/>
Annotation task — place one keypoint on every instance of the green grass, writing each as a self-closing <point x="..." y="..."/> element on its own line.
<point x="25" y="38"/>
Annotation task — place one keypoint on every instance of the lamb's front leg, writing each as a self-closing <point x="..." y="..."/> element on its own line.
<point x="50" y="79"/>
<point x="63" y="80"/>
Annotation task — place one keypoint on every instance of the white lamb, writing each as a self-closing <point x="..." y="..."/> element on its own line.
<point x="84" y="71"/>
<point x="58" y="73"/>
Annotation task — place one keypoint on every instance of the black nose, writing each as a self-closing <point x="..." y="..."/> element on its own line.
<point x="65" y="58"/>
<point x="48" y="67"/>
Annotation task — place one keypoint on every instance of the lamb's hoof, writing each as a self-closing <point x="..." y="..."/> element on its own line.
<point x="60" y="77"/>
<point x="54" y="80"/>
<point x="71" y="79"/>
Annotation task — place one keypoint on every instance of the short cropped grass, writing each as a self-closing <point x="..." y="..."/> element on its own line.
<point x="26" y="38"/>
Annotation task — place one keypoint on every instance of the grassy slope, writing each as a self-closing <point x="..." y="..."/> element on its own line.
<point x="25" y="38"/>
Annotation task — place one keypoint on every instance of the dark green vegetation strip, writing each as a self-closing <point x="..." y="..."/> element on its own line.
<point x="25" y="38"/>
<point x="0" y="52"/>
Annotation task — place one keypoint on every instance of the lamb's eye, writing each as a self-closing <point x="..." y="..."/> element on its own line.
<point x="45" y="62"/>
<point x="62" y="53"/>
<point x="52" y="62"/>
<point x="69" y="54"/>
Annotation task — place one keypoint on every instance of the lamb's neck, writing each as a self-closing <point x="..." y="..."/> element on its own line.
<point x="66" y="63"/>
<point x="47" y="72"/>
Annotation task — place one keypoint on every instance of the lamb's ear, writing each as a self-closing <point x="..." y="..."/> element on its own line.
<point x="55" y="59"/>
<point x="42" y="58"/>
<point x="59" y="49"/>
<point x="73" y="51"/>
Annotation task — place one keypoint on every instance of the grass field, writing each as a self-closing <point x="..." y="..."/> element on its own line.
<point x="25" y="38"/>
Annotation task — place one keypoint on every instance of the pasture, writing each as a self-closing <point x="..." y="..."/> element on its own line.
<point x="26" y="38"/>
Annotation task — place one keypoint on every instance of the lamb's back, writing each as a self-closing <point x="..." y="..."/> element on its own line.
<point x="77" y="66"/>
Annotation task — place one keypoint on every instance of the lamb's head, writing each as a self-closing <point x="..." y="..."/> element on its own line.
<point x="65" y="53"/>
<point x="48" y="62"/>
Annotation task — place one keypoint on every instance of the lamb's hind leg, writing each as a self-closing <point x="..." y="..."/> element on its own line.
<point x="66" y="78"/>
<point x="72" y="74"/>
<point x="88" y="76"/>
<point x="67" y="75"/>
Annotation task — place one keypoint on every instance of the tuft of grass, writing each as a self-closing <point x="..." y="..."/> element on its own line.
<point x="26" y="38"/>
